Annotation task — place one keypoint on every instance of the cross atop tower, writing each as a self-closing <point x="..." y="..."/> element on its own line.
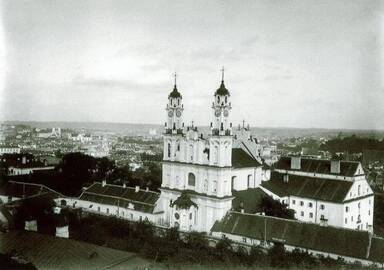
<point x="175" y="75"/>
<point x="222" y="74"/>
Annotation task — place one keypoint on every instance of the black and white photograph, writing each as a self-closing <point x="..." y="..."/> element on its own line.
<point x="191" y="134"/>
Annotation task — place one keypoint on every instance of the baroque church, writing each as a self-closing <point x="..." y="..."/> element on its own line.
<point x="201" y="171"/>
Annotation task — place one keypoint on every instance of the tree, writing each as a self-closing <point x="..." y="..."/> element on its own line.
<point x="224" y="244"/>
<point x="196" y="240"/>
<point x="274" y="208"/>
<point x="172" y="235"/>
<point x="277" y="255"/>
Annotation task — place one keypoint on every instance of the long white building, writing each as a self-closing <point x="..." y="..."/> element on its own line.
<point x="327" y="192"/>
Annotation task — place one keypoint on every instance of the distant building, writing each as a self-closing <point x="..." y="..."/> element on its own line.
<point x="22" y="164"/>
<point x="9" y="149"/>
<point x="54" y="133"/>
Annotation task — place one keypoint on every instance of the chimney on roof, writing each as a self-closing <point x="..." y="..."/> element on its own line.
<point x="286" y="178"/>
<point x="147" y="189"/>
<point x="296" y="163"/>
<point x="137" y="188"/>
<point x="335" y="166"/>
<point x="103" y="183"/>
<point x="24" y="160"/>
<point x="124" y="185"/>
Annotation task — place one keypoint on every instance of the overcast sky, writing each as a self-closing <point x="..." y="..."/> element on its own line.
<point x="288" y="63"/>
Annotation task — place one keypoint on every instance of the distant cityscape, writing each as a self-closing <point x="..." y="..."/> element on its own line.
<point x="126" y="143"/>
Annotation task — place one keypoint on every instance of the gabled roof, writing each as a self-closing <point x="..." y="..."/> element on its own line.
<point x="308" y="187"/>
<point x="240" y="159"/>
<point x="320" y="166"/>
<point x="335" y="240"/>
<point x="142" y="200"/>
<point x="248" y="200"/>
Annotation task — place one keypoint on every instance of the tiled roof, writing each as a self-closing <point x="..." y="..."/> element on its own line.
<point x="320" y="166"/>
<point x="142" y="200"/>
<point x="24" y="190"/>
<point x="240" y="159"/>
<point x="248" y="199"/>
<point x="49" y="252"/>
<point x="308" y="187"/>
<point x="339" y="241"/>
<point x="376" y="252"/>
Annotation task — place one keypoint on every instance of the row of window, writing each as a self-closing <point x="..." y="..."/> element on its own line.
<point x="302" y="214"/>
<point x="192" y="183"/>
<point x="358" y="206"/>
<point x="310" y="205"/>
<point x="191" y="151"/>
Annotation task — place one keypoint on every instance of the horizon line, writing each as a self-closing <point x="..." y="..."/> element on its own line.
<point x="125" y="123"/>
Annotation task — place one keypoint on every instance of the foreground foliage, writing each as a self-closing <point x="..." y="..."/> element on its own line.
<point x="172" y="247"/>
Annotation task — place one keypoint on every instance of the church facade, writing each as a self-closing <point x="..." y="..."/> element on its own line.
<point x="200" y="171"/>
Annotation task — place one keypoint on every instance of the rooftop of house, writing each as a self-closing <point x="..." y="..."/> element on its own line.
<point x="240" y="159"/>
<point x="25" y="190"/>
<point x="319" y="166"/>
<point x="328" y="239"/>
<point x="308" y="187"/>
<point x="248" y="200"/>
<point x="141" y="200"/>
<point x="49" y="252"/>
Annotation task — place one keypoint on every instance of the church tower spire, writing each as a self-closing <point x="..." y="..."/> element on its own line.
<point x="221" y="107"/>
<point x="174" y="110"/>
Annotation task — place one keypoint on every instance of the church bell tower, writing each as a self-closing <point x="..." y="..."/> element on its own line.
<point x="221" y="107"/>
<point x="174" y="109"/>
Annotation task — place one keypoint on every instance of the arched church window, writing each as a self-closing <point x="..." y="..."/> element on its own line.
<point x="178" y="146"/>
<point x="221" y="126"/>
<point x="169" y="150"/>
<point x="178" y="101"/>
<point x="226" y="99"/>
<point x="191" y="179"/>
<point x="218" y="99"/>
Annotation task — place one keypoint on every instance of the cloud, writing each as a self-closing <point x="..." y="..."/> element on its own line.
<point x="126" y="85"/>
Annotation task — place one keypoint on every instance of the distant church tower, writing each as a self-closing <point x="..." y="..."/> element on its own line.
<point x="196" y="181"/>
